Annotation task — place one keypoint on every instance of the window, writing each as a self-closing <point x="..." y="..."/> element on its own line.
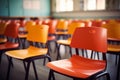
<point x="101" y="4"/>
<point x="64" y="5"/>
<point x="73" y="5"/>
<point x="94" y="4"/>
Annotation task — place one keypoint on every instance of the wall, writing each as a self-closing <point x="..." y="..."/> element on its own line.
<point x="88" y="15"/>
<point x="3" y="8"/>
<point x="16" y="8"/>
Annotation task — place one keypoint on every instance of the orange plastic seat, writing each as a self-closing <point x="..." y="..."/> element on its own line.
<point x="3" y="40"/>
<point x="11" y="32"/>
<point x="36" y="34"/>
<point x="81" y="68"/>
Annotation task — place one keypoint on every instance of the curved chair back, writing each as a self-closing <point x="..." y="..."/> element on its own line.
<point x="38" y="33"/>
<point x="94" y="38"/>
<point x="29" y="24"/>
<point x="2" y="27"/>
<point x="12" y="30"/>
<point x="113" y="30"/>
<point x="62" y="25"/>
<point x="73" y="25"/>
<point x="52" y="26"/>
<point x="117" y="31"/>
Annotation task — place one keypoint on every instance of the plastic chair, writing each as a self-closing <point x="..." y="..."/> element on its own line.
<point x="98" y="23"/>
<point x="114" y="42"/>
<point x="81" y="68"/>
<point x="113" y="33"/>
<point x="66" y="42"/>
<point x="113" y="30"/>
<point x="37" y="34"/>
<point x="22" y="36"/>
<point x="52" y="33"/>
<point x="3" y="25"/>
<point x="61" y="28"/>
<point x="11" y="32"/>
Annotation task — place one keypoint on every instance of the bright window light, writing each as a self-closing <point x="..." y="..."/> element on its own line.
<point x="64" y="5"/>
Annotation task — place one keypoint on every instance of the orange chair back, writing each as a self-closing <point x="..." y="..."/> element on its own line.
<point x="117" y="31"/>
<point x="28" y="24"/>
<point x="73" y="25"/>
<point x="2" y="27"/>
<point x="38" y="33"/>
<point x="113" y="30"/>
<point x="94" y="38"/>
<point x="12" y="30"/>
<point x="62" y="25"/>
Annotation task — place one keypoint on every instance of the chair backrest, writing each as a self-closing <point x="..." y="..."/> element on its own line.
<point x="113" y="30"/>
<point x="52" y="26"/>
<point x="38" y="33"/>
<point x="73" y="25"/>
<point x="2" y="27"/>
<point x="12" y="30"/>
<point x="29" y="24"/>
<point x="117" y="31"/>
<point x="62" y="25"/>
<point x="92" y="38"/>
<point x="98" y="23"/>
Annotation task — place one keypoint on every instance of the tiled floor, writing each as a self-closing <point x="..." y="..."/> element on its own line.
<point x="17" y="71"/>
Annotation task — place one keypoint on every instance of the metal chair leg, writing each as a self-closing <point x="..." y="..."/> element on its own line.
<point x="35" y="70"/>
<point x="44" y="61"/>
<point x="55" y="46"/>
<point x="24" y="65"/>
<point x="76" y="79"/>
<point x="91" y="55"/>
<point x="9" y="66"/>
<point x="108" y="76"/>
<point x="86" y="53"/>
<point x="118" y="69"/>
<point x="0" y="57"/>
<point x="82" y="52"/>
<point x="70" y="51"/>
<point x="51" y="75"/>
<point x="27" y="70"/>
<point x="116" y="59"/>
<point x="58" y="54"/>
<point x="11" y="61"/>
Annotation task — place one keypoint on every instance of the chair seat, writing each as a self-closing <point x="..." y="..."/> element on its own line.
<point x="22" y="35"/>
<point x="62" y="33"/>
<point x="113" y="48"/>
<point x="113" y="39"/>
<point x="8" y="45"/>
<point x="27" y="53"/>
<point x="51" y="38"/>
<point x="64" y="42"/>
<point x="2" y="40"/>
<point x="77" y="66"/>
